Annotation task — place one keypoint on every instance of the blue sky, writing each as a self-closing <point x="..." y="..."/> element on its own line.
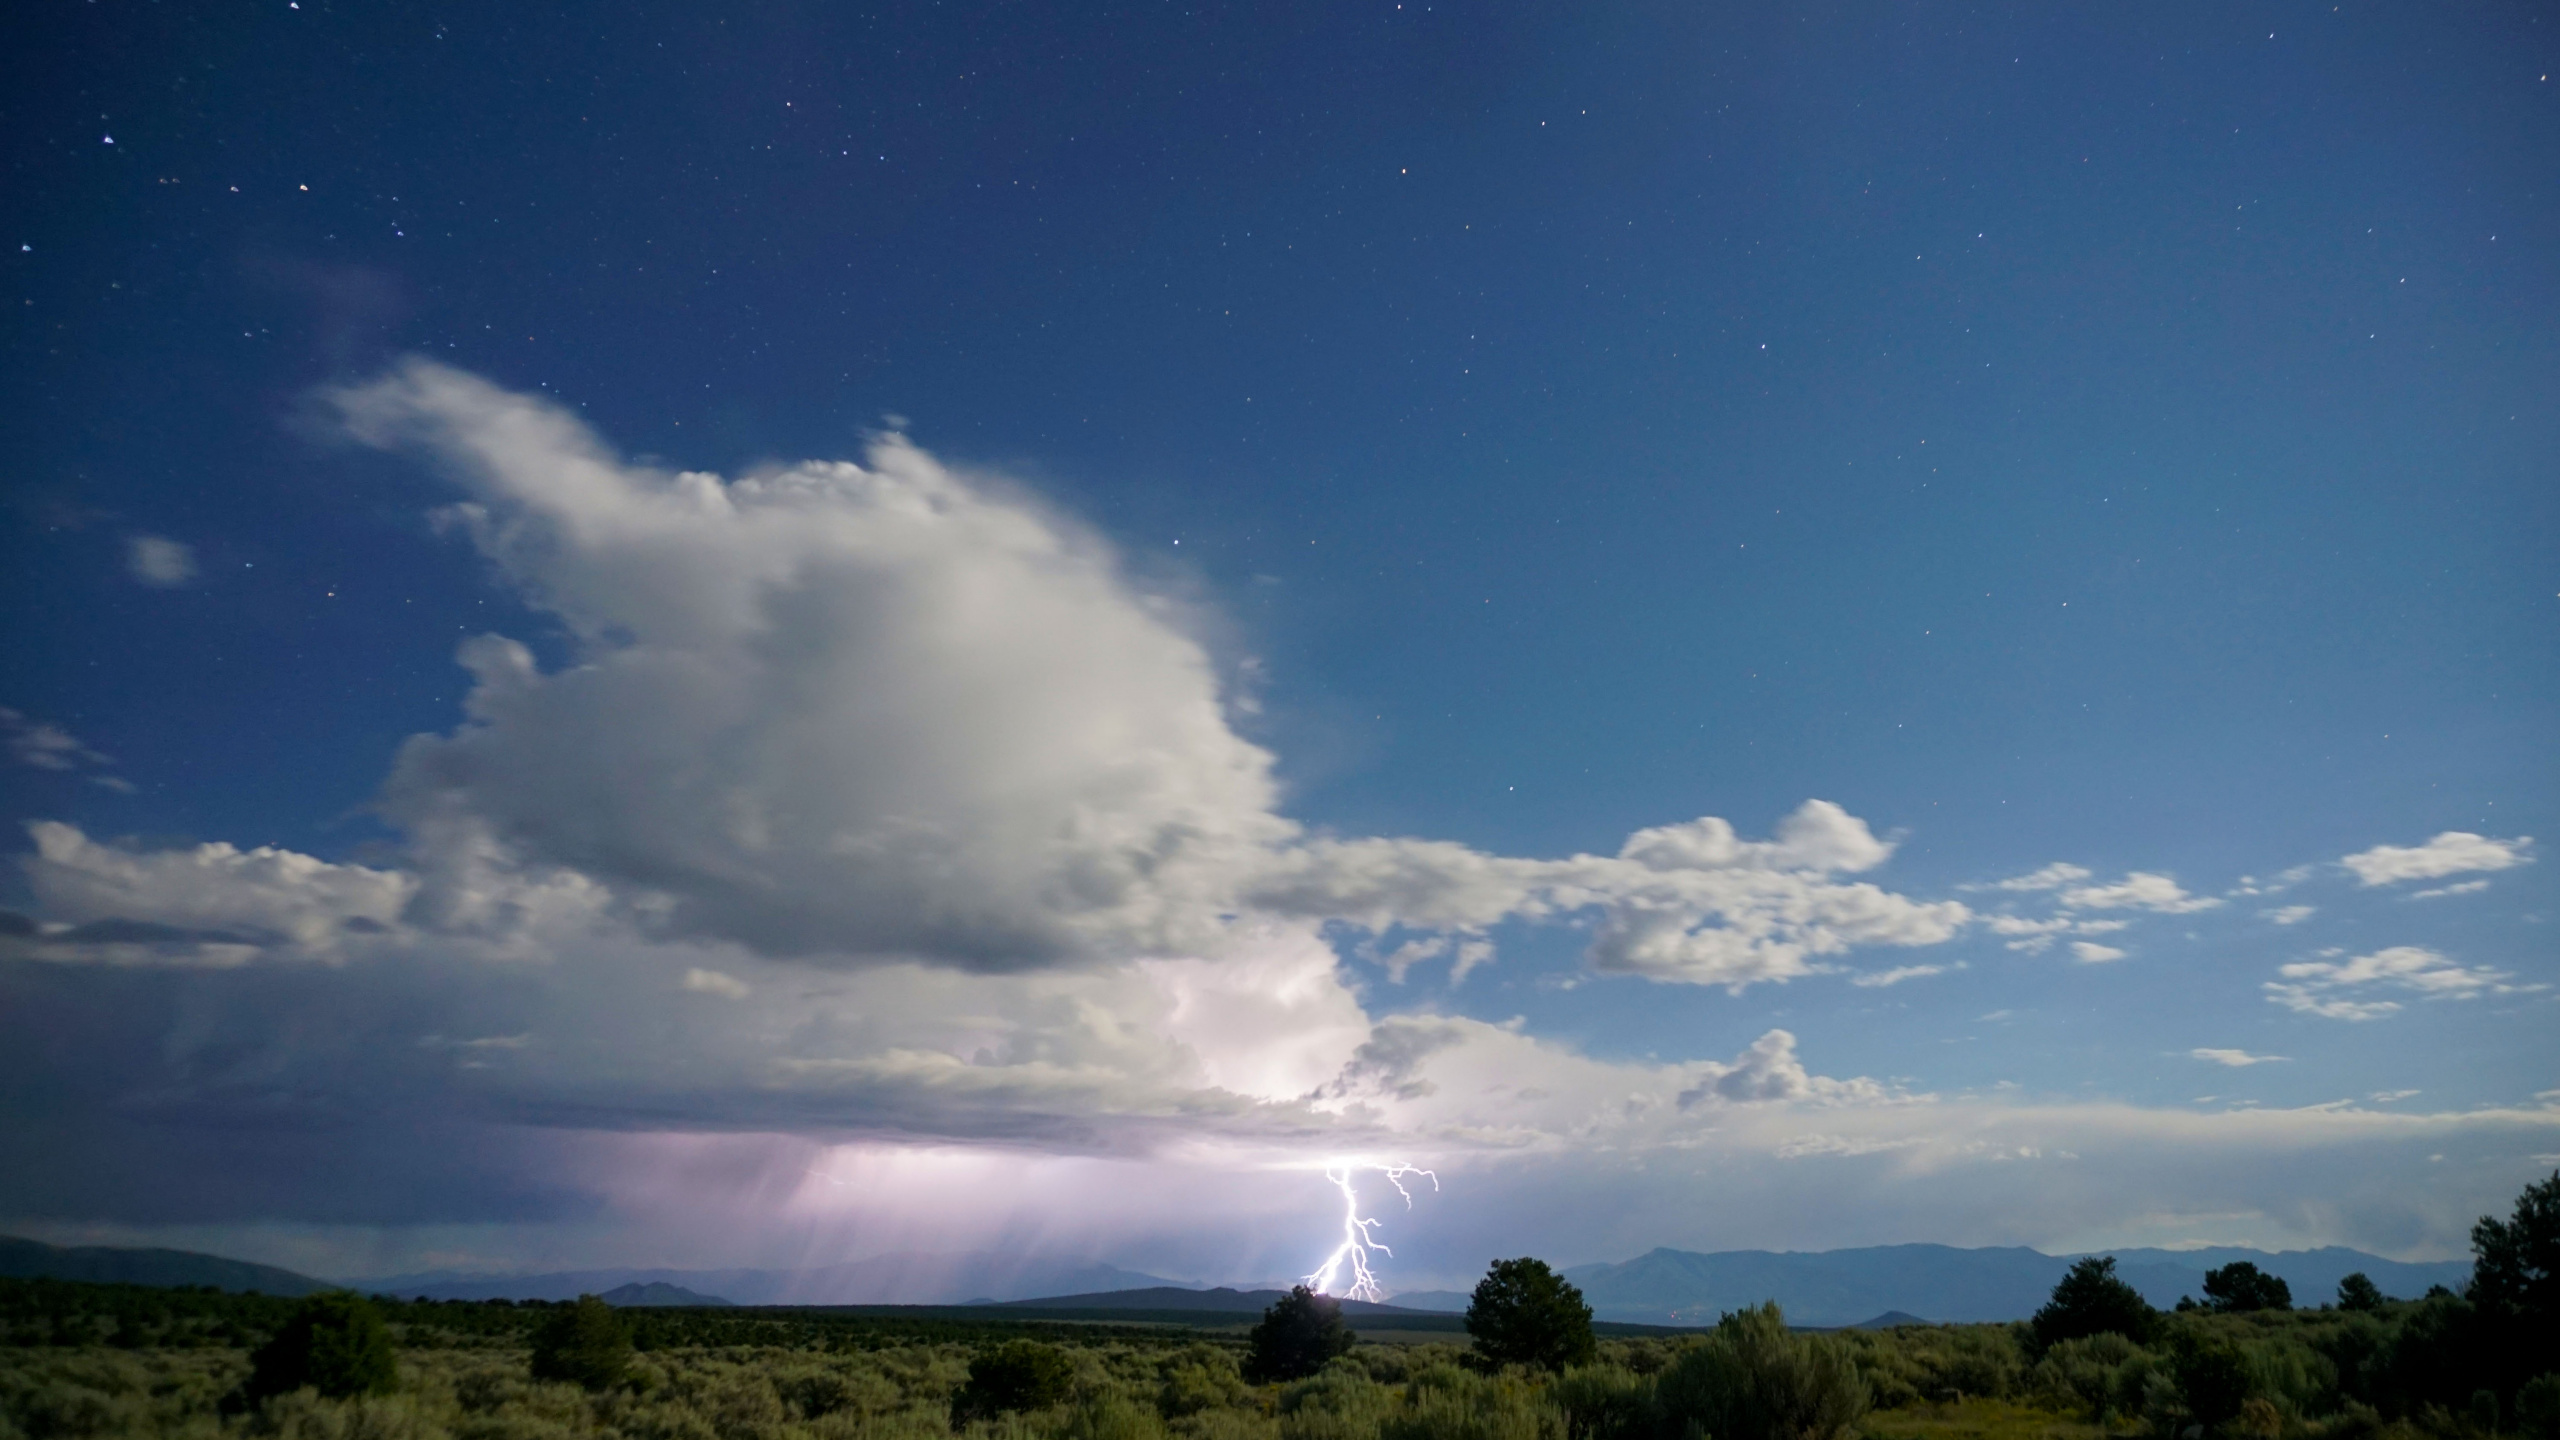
<point x="963" y="626"/>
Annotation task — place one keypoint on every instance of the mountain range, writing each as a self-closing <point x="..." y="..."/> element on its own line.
<point x="110" y="1265"/>
<point x="911" y="1279"/>
<point x="1936" y="1282"/>
<point x="1662" y="1287"/>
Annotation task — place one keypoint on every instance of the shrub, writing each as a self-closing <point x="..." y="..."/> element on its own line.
<point x="1447" y="1403"/>
<point x="1523" y="1313"/>
<point x="1605" y="1402"/>
<point x="1297" y="1335"/>
<point x="2538" y="1407"/>
<point x="334" y="1342"/>
<point x="1750" y="1379"/>
<point x="2090" y="1300"/>
<point x="2240" y="1287"/>
<point x="584" y="1344"/>
<point x="2213" y="1379"/>
<point x="1016" y="1375"/>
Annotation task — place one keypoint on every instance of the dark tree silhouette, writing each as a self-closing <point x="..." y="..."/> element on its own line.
<point x="2240" y="1287"/>
<point x="1300" y="1332"/>
<point x="2515" y="1264"/>
<point x="585" y="1344"/>
<point x="2090" y="1300"/>
<point x="334" y="1342"/>
<point x="1523" y="1313"/>
<point x="1016" y="1375"/>
<point x="2358" y="1292"/>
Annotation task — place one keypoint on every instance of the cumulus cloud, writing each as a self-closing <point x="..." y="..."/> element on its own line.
<point x="2140" y="890"/>
<point x="158" y="561"/>
<point x="2450" y="853"/>
<point x="2089" y="952"/>
<point x="135" y="905"/>
<point x="2237" y="1059"/>
<point x="2290" y="914"/>
<point x="2467" y="887"/>
<point x="2327" y="987"/>
<point x="895" y="711"/>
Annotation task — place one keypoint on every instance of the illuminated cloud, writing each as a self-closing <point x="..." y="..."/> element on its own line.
<point x="2450" y="853"/>
<point x="159" y="562"/>
<point x="2237" y="1059"/>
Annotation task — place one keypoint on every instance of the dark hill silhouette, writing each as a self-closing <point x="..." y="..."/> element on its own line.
<point x="1941" y="1282"/>
<point x="116" y="1265"/>
<point x="657" y="1292"/>
<point x="1174" y="1297"/>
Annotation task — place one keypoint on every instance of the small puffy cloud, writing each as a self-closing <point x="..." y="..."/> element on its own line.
<point x="2236" y="1059"/>
<point x="2329" y="987"/>
<point x="2450" y="853"/>
<point x="158" y="561"/>
<point x="2089" y="952"/>
<point x="2290" y="914"/>
<point x="2140" y="890"/>
<point x="2051" y="877"/>
<point x="2467" y="887"/>
<point x="715" y="982"/>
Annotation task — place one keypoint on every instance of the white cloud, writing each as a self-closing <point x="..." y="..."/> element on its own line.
<point x="1900" y="973"/>
<point x="2089" y="952"/>
<point x="2051" y="877"/>
<point x="133" y="906"/>
<point x="44" y="746"/>
<point x="2139" y="890"/>
<point x="2314" y="986"/>
<point x="715" y="982"/>
<point x="895" y="711"/>
<point x="2450" y="853"/>
<point x="2467" y="887"/>
<point x="2234" y="1058"/>
<point x="2290" y="914"/>
<point x="158" y="561"/>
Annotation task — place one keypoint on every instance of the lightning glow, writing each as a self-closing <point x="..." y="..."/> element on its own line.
<point x="1358" y="1234"/>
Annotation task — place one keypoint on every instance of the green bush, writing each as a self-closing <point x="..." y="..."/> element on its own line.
<point x="1016" y="1375"/>
<point x="333" y="1342"/>
<point x="1523" y="1313"/>
<point x="584" y="1344"/>
<point x="1605" y="1402"/>
<point x="2538" y="1407"/>
<point x="1751" y="1379"/>
<point x="2091" y="1300"/>
<point x="1297" y="1335"/>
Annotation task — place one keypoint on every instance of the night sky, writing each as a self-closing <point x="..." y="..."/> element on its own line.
<point x="747" y="635"/>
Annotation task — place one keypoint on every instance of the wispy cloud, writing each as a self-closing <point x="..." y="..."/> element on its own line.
<point x="2236" y="1059"/>
<point x="2325" y="987"/>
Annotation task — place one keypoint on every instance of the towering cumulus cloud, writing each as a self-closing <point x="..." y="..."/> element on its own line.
<point x="891" y="711"/>
<point x="827" y="710"/>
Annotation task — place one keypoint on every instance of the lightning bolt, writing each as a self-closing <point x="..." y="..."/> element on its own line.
<point x="1359" y="1236"/>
